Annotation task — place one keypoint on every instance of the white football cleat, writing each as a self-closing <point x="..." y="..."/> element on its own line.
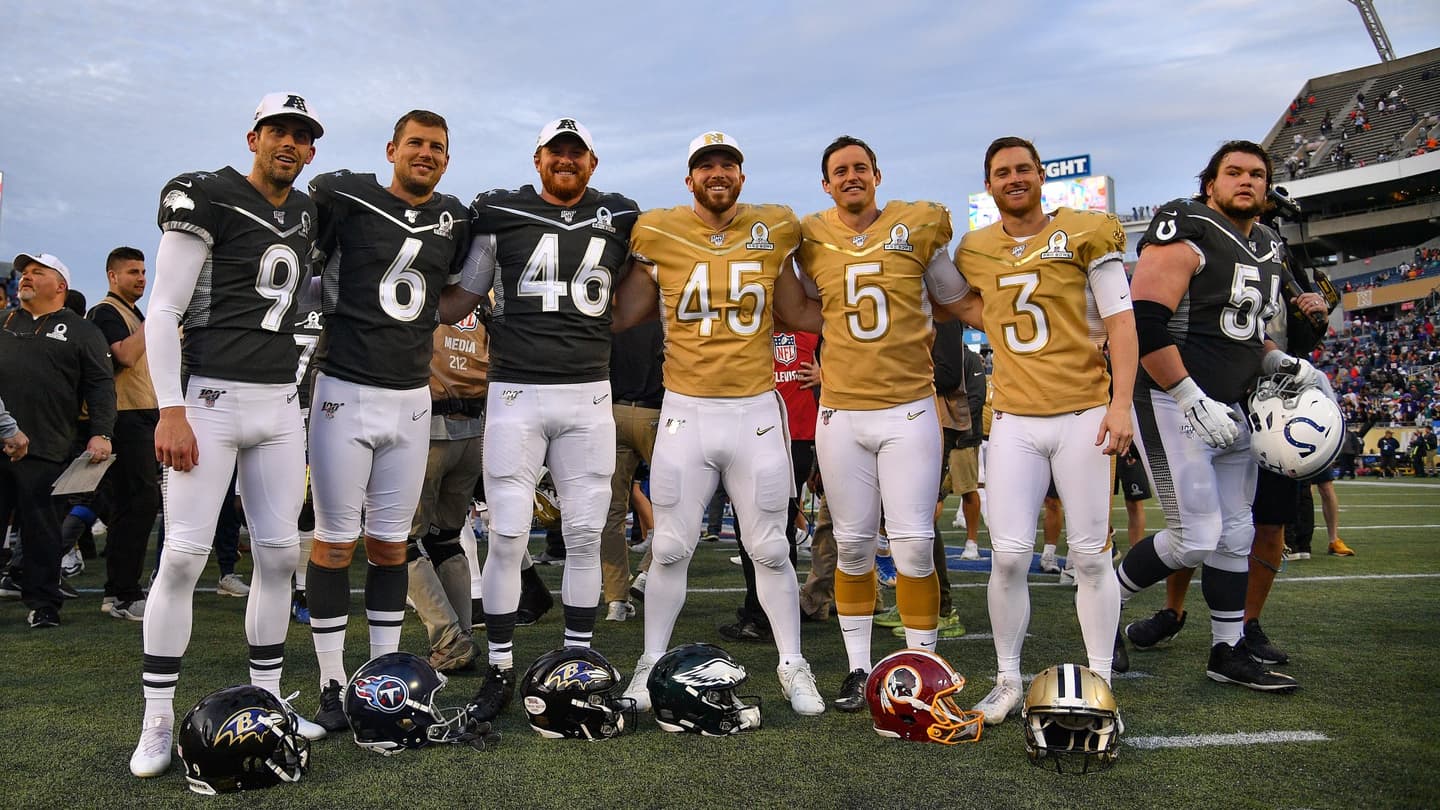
<point x="971" y="552"/>
<point x="305" y="728"/>
<point x="639" y="688"/>
<point x="1003" y="701"/>
<point x="1048" y="564"/>
<point x="798" y="684"/>
<point x="152" y="753"/>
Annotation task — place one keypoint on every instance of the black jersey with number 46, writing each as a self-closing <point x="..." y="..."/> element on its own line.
<point x="239" y="322"/>
<point x="1219" y="326"/>
<point x="555" y="270"/>
<point x="385" y="262"/>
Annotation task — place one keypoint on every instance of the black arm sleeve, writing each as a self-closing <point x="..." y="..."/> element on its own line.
<point x="97" y="381"/>
<point x="949" y="362"/>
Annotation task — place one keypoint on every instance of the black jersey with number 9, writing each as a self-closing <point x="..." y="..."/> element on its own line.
<point x="556" y="268"/>
<point x="241" y="315"/>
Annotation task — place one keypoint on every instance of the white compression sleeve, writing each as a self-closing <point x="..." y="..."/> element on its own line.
<point x="178" y="263"/>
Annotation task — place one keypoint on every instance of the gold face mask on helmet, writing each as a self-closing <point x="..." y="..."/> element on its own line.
<point x="1071" y="720"/>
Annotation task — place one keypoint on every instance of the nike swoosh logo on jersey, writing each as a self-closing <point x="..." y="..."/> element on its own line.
<point x="415" y="417"/>
<point x="913" y="416"/>
<point x="289" y="398"/>
<point x="763" y="431"/>
<point x="599" y="399"/>
<point x="185" y="183"/>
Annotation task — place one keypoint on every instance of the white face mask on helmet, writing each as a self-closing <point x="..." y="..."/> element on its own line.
<point x="1294" y="431"/>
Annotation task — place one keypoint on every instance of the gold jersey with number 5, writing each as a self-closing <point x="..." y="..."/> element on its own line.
<point x="716" y="289"/>
<point x="1040" y="314"/>
<point x="872" y="295"/>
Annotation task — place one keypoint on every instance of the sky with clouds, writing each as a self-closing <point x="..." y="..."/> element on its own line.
<point x="101" y="103"/>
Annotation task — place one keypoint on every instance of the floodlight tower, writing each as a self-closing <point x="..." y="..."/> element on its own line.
<point x="1376" y="29"/>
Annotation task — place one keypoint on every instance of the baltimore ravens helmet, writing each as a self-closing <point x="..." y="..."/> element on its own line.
<point x="241" y="738"/>
<point x="575" y="692"/>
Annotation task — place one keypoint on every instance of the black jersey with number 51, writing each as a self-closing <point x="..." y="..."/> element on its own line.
<point x="385" y="262"/>
<point x="240" y="317"/>
<point x="1219" y="326"/>
<point x="555" y="270"/>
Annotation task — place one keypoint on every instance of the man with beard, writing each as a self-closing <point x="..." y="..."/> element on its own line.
<point x="551" y="256"/>
<point x="1210" y="259"/>
<point x="711" y="267"/>
<point x="229" y="269"/>
<point x="1052" y="293"/>
<point x="387" y="253"/>
<point x="866" y="278"/>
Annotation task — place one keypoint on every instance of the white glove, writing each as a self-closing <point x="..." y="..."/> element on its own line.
<point x="1213" y="421"/>
<point x="1278" y="362"/>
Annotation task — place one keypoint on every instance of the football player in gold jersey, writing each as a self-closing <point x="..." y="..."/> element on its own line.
<point x="711" y="268"/>
<point x="867" y="277"/>
<point x="1052" y="292"/>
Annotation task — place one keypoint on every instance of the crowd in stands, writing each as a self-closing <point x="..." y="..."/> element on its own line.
<point x="1425" y="263"/>
<point x="1385" y="372"/>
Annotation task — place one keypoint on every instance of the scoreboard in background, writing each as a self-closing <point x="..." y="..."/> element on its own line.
<point x="1068" y="185"/>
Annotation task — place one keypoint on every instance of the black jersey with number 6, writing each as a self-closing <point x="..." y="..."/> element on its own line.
<point x="239" y="322"/>
<point x="1219" y="326"/>
<point x="385" y="262"/>
<point x="555" y="270"/>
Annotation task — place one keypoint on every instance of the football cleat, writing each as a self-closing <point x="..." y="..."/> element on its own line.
<point x="1048" y="565"/>
<point x="1161" y="627"/>
<point x="1234" y="665"/>
<point x="1003" y="701"/>
<point x="639" y="690"/>
<point x="152" y="753"/>
<point x="889" y="617"/>
<point x="1258" y="645"/>
<point x="1120" y="658"/>
<point x="885" y="570"/>
<point x="493" y="696"/>
<point x="305" y="728"/>
<point x="971" y="552"/>
<point x="1339" y="549"/>
<point x="852" y="691"/>
<point x="331" y="715"/>
<point x="798" y="684"/>
<point x="300" y="608"/>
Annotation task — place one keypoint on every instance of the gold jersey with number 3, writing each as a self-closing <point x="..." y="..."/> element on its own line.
<point x="873" y="298"/>
<point x="1040" y="314"/>
<point x="716" y="289"/>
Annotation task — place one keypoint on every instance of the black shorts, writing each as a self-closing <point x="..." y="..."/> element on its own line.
<point x="1130" y="478"/>
<point x="1274" y="499"/>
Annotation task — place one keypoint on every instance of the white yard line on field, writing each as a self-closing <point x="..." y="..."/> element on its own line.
<point x="1201" y="740"/>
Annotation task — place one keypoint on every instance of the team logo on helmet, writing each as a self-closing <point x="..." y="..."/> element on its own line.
<point x="249" y="724"/>
<point x="385" y="692"/>
<point x="577" y="673"/>
<point x="759" y="238"/>
<point x="714" y="673"/>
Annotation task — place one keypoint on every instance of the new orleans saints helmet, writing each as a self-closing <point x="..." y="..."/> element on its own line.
<point x="547" y="504"/>
<point x="1294" y="431"/>
<point x="241" y="738"/>
<point x="912" y="696"/>
<point x="692" y="689"/>
<point x="575" y="692"/>
<point x="1071" y="720"/>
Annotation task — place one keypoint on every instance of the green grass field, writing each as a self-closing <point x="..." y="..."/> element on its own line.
<point x="1361" y="632"/>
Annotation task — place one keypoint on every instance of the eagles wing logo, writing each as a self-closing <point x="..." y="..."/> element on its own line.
<point x="178" y="199"/>
<point x="247" y="725"/>
<point x="713" y="673"/>
<point x="385" y="692"/>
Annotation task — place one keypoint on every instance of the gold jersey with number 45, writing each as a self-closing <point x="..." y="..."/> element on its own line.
<point x="1039" y="311"/>
<point x="872" y="295"/>
<point x="716" y="289"/>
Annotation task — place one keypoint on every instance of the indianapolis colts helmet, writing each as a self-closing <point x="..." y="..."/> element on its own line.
<point x="912" y="696"/>
<point x="692" y="689"/>
<point x="390" y="703"/>
<point x="1071" y="720"/>
<point x="575" y="692"/>
<point x="1294" y="431"/>
<point x="241" y="738"/>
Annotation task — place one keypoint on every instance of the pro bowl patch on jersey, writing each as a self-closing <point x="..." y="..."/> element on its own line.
<point x="900" y="239"/>
<point x="604" y="220"/>
<point x="385" y="692"/>
<point x="178" y="199"/>
<point x="577" y="673"/>
<point x="1058" y="247"/>
<point x="785" y="351"/>
<point x="759" y="238"/>
<point x="251" y="723"/>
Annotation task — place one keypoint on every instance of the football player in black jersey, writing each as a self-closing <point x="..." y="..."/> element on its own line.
<point x="387" y="251"/>
<point x="1207" y="279"/>
<point x="552" y="257"/>
<point x="228" y="272"/>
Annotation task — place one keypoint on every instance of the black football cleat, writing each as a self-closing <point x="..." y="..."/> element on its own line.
<point x="852" y="691"/>
<point x="1234" y="665"/>
<point x="1161" y="627"/>
<point x="494" y="695"/>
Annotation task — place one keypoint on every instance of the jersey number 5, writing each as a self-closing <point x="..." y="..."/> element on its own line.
<point x="589" y="289"/>
<point x="1241" y="319"/>
<point x="858" y="292"/>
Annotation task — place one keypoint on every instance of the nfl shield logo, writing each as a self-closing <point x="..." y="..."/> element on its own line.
<point x="785" y="349"/>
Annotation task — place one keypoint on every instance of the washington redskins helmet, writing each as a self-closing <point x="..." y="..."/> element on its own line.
<point x="692" y="689"/>
<point x="1071" y="720"/>
<point x="575" y="692"/>
<point x="1294" y="431"/>
<point x="912" y="696"/>
<point x="241" y="738"/>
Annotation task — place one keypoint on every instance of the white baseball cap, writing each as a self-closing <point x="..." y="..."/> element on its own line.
<point x="565" y="126"/>
<point x="275" y="105"/>
<point x="713" y="140"/>
<point x="48" y="260"/>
